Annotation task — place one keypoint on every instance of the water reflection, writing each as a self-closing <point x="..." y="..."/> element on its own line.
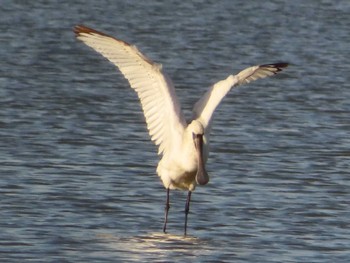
<point x="157" y="247"/>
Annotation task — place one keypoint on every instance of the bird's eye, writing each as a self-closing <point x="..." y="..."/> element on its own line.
<point x="193" y="135"/>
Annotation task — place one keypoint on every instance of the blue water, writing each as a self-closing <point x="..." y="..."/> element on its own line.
<point x="77" y="169"/>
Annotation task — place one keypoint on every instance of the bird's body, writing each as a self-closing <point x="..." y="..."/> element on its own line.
<point x="184" y="146"/>
<point x="179" y="167"/>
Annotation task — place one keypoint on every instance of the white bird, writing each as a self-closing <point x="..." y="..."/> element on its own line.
<point x="184" y="146"/>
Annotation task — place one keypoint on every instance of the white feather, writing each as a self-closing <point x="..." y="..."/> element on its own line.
<point x="165" y="121"/>
<point x="204" y="108"/>
<point x="156" y="93"/>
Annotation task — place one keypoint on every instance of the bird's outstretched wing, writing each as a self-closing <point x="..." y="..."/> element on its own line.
<point x="155" y="90"/>
<point x="205" y="107"/>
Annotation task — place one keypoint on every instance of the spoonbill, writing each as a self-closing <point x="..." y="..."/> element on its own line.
<point x="184" y="146"/>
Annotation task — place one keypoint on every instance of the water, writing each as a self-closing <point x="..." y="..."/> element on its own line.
<point x="77" y="170"/>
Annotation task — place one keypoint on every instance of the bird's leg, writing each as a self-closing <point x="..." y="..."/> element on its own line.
<point x="187" y="209"/>
<point x="167" y="206"/>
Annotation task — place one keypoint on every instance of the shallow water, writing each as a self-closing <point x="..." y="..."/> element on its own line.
<point x="78" y="180"/>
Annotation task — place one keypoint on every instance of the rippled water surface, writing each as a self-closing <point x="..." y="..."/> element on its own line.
<point x="77" y="169"/>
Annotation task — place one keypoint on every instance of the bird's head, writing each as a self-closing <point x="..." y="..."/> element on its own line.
<point x="197" y="130"/>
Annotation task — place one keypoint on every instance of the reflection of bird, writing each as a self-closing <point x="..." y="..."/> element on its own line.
<point x="184" y="146"/>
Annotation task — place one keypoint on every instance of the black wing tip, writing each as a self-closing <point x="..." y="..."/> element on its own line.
<point x="81" y="29"/>
<point x="279" y="66"/>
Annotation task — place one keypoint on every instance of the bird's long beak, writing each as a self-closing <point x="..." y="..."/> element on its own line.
<point x="202" y="177"/>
